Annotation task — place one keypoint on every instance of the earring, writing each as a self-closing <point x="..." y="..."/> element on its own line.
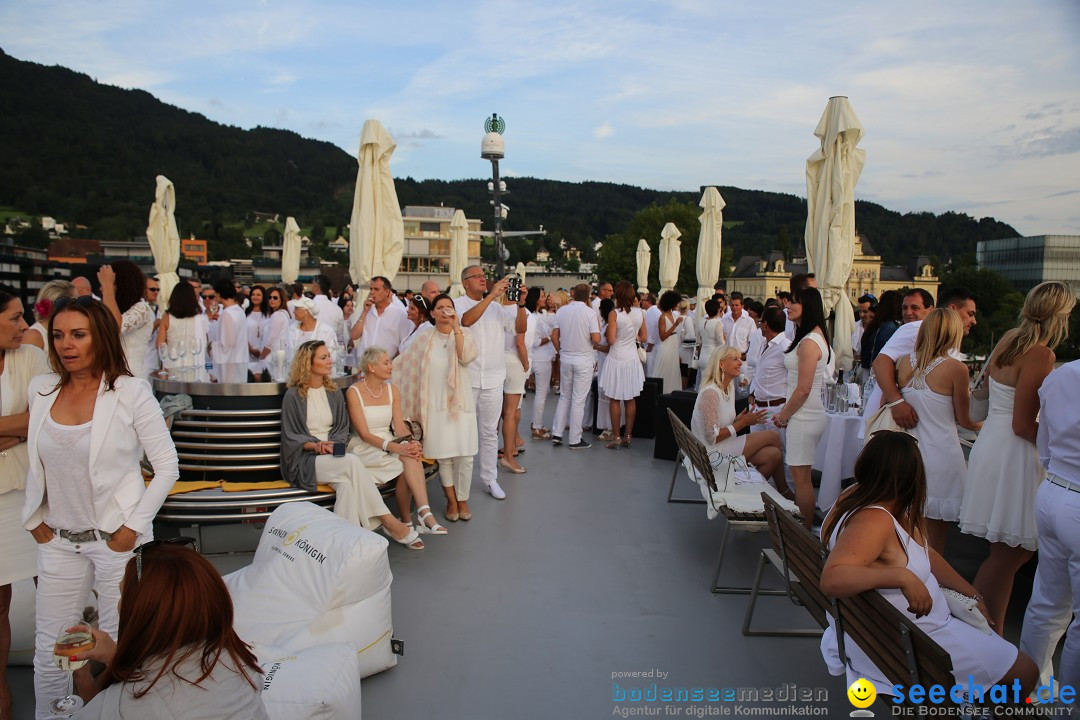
<point x="723" y="377"/>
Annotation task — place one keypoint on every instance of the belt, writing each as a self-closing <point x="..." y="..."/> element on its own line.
<point x="83" y="537"/>
<point x="770" y="403"/>
<point x="1063" y="483"/>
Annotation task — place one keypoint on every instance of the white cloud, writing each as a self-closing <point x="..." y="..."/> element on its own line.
<point x="604" y="131"/>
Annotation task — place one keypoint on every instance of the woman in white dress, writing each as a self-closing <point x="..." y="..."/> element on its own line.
<point x="313" y="421"/>
<point x="49" y="293"/>
<point x="710" y="337"/>
<point x="278" y="334"/>
<point x="666" y="366"/>
<point x="603" y="402"/>
<point x="258" y="331"/>
<point x="875" y="533"/>
<point x="1004" y="471"/>
<point x="717" y="425"/>
<point x="123" y="290"/>
<point x="623" y="377"/>
<point x="516" y="359"/>
<point x="375" y="411"/>
<point x="543" y="357"/>
<point x="19" y="363"/>
<point x="936" y="386"/>
<point x="804" y="414"/>
<point x="687" y="343"/>
<point x="183" y="333"/>
<point x="433" y="376"/>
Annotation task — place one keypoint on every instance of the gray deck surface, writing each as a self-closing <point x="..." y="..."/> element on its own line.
<point x="529" y="609"/>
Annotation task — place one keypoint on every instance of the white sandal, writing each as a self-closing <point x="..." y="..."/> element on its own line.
<point x="411" y="541"/>
<point x="423" y="513"/>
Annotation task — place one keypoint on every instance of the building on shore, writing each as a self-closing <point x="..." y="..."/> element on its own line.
<point x="1028" y="261"/>
<point x="763" y="277"/>
<point x="427" y="246"/>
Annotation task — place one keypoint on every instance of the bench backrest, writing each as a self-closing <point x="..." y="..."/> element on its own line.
<point x="903" y="652"/>
<point x="693" y="449"/>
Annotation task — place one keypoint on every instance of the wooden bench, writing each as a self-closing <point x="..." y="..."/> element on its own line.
<point x="694" y="450"/>
<point x="894" y="643"/>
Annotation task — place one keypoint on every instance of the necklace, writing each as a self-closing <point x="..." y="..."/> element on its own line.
<point x="371" y="393"/>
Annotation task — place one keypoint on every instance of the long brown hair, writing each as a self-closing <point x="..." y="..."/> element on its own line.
<point x="180" y="608"/>
<point x="624" y="296"/>
<point x="109" y="359"/>
<point x="888" y="470"/>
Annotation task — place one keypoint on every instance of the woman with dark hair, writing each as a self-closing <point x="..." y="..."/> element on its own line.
<point x="434" y="380"/>
<point x="877" y="541"/>
<point x="804" y="414"/>
<point x="623" y="377"/>
<point x="184" y="328"/>
<point x="666" y="366"/>
<point x="20" y="362"/>
<point x="258" y="331"/>
<point x="541" y="357"/>
<point x="887" y="318"/>
<point x="314" y="420"/>
<point x="179" y="659"/>
<point x="87" y="505"/>
<point x="231" y="348"/>
<point x="710" y="336"/>
<point x="123" y="290"/>
<point x="419" y="315"/>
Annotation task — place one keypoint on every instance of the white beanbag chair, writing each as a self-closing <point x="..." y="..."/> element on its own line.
<point x="320" y="683"/>
<point x="316" y="579"/>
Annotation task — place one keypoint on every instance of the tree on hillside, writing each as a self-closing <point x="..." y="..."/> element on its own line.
<point x="998" y="304"/>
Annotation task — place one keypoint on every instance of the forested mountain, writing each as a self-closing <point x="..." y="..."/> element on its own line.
<point x="87" y="153"/>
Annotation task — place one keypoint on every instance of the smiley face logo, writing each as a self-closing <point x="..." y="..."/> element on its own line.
<point x="862" y="693"/>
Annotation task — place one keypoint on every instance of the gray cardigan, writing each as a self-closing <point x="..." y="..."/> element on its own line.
<point x="297" y="464"/>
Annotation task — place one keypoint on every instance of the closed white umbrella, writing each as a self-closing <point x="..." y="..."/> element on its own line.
<point x="670" y="257"/>
<point x="520" y="271"/>
<point x="644" y="260"/>
<point x="290" y="252"/>
<point x="708" y="247"/>
<point x="377" y="232"/>
<point x="831" y="174"/>
<point x="459" y="252"/>
<point x="164" y="238"/>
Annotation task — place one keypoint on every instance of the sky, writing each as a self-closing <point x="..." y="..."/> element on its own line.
<point x="971" y="106"/>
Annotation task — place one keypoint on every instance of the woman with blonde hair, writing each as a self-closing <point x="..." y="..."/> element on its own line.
<point x="1004" y="471"/>
<point x="717" y="425"/>
<point x="314" y="437"/>
<point x="47" y="296"/>
<point x="936" y="386"/>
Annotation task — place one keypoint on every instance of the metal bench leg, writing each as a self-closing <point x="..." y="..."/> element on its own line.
<point x="671" y="487"/>
<point x="717" y="589"/>
<point x="754" y="593"/>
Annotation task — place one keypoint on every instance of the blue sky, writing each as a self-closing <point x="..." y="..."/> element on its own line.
<point x="967" y="106"/>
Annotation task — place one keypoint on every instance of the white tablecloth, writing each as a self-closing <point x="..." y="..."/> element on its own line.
<point x="836" y="452"/>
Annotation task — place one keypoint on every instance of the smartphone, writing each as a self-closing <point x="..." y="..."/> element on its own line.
<point x="513" y="293"/>
<point x="339" y="449"/>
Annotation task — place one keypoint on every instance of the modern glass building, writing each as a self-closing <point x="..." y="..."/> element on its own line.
<point x="1028" y="261"/>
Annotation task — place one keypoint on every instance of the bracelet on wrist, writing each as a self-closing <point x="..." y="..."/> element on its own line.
<point x="731" y="429"/>
<point x="385" y="445"/>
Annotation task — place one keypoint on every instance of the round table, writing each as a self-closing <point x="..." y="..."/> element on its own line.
<point x="840" y="444"/>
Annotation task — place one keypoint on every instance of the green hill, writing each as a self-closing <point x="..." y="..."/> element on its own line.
<point x="87" y="153"/>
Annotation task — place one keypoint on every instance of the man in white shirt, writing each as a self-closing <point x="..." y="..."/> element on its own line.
<point x="489" y="322"/>
<point x="603" y="292"/>
<point x="153" y="289"/>
<point x="739" y="326"/>
<point x="429" y="291"/>
<point x="768" y="390"/>
<point x="1055" y="597"/>
<point x="575" y="336"/>
<point x="652" y="330"/>
<point x="384" y="321"/>
<point x="329" y="312"/>
<point x="917" y="305"/>
<point x="866" y="305"/>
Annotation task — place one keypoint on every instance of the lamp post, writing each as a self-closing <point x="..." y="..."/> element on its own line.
<point x="493" y="148"/>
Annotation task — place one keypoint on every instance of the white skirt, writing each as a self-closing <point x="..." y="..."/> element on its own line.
<point x="515" y="375"/>
<point x="19" y="559"/>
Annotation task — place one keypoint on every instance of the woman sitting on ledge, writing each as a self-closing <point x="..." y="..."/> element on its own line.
<point x="313" y="422"/>
<point x="877" y="538"/>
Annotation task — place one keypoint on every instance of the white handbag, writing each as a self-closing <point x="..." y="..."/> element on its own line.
<point x="882" y="420"/>
<point x="979" y="406"/>
<point x="963" y="607"/>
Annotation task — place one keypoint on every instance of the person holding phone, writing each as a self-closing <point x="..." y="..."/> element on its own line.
<point x="383" y="441"/>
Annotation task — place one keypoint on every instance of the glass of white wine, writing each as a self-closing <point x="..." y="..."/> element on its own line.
<point x="74" y="638"/>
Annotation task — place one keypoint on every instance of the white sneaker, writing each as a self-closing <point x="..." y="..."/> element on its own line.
<point x="495" y="490"/>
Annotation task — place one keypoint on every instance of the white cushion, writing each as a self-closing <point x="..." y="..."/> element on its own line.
<point x="320" y="683"/>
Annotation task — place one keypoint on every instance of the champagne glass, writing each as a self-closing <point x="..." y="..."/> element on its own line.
<point x="163" y="356"/>
<point x="74" y="638"/>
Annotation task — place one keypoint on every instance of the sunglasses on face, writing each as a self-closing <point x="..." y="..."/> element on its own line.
<point x="153" y="289"/>
<point x="188" y="541"/>
<point x="62" y="302"/>
<point x="209" y="297"/>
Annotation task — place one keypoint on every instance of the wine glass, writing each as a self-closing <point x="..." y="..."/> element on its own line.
<point x="163" y="356"/>
<point x="74" y="638"/>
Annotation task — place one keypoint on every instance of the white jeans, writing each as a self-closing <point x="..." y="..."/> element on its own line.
<point x="575" y="377"/>
<point x="489" y="404"/>
<point x="542" y="370"/>
<point x="66" y="572"/>
<point x="456" y="472"/>
<point x="1055" y="598"/>
<point x="357" y="496"/>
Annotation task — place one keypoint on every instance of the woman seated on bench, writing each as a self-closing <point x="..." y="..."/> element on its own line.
<point x="314" y="433"/>
<point x="716" y="424"/>
<point x="375" y="411"/>
<point x="877" y="540"/>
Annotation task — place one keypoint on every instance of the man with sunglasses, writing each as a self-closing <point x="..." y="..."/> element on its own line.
<point x="489" y="321"/>
<point x="151" y="295"/>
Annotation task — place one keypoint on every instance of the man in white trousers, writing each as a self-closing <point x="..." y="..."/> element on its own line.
<point x="1055" y="598"/>
<point x="489" y="322"/>
<point x="575" y="337"/>
<point x="652" y="329"/>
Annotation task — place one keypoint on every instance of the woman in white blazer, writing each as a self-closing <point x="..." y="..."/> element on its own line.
<point x="19" y="362"/>
<point x="86" y="503"/>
